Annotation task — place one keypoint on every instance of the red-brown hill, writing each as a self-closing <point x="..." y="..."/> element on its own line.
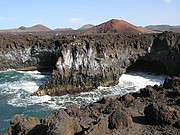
<point x="117" y="26"/>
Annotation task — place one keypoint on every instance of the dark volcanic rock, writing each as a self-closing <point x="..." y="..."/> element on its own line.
<point x="147" y="114"/>
<point x="90" y="61"/>
<point x="120" y="119"/>
<point x="62" y="124"/>
<point x="166" y="50"/>
<point x="172" y="83"/>
<point x="27" y="52"/>
<point x="84" y="62"/>
<point x="21" y="125"/>
<point x="160" y="114"/>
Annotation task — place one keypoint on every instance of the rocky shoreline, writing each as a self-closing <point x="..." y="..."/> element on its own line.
<point x="99" y="60"/>
<point x="84" y="62"/>
<point x="152" y="111"/>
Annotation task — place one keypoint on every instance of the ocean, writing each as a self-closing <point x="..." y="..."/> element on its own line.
<point x="16" y="88"/>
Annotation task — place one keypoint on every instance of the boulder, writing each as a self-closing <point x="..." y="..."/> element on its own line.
<point x="100" y="128"/>
<point x="161" y="114"/>
<point x="148" y="91"/>
<point x="21" y="125"/>
<point x="172" y="83"/>
<point x="63" y="124"/>
<point x="120" y="119"/>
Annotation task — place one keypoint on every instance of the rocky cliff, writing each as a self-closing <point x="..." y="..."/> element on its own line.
<point x="90" y="61"/>
<point x="27" y="52"/>
<point x="84" y="62"/>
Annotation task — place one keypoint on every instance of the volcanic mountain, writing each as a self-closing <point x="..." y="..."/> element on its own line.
<point x="38" y="27"/>
<point x="86" y="27"/>
<point x="117" y="26"/>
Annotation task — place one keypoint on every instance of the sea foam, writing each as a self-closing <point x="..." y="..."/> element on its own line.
<point x="16" y="88"/>
<point x="20" y="90"/>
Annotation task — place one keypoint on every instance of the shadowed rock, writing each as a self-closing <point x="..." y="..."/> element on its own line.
<point x="21" y="125"/>
<point x="161" y="114"/>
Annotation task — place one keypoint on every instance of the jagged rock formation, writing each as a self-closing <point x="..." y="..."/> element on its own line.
<point x="27" y="52"/>
<point x="84" y="66"/>
<point x="154" y="110"/>
<point x="90" y="61"/>
<point x="83" y="62"/>
<point x="165" y="50"/>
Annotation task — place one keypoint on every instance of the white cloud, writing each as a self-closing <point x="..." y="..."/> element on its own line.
<point x="168" y="1"/>
<point x="76" y="20"/>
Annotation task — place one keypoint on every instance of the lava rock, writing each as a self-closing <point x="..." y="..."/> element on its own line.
<point x="63" y="124"/>
<point x="21" y="125"/>
<point x="172" y="83"/>
<point x="148" y="91"/>
<point x="120" y="119"/>
<point x="160" y="114"/>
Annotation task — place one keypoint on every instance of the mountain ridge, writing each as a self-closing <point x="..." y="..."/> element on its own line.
<point x="162" y="28"/>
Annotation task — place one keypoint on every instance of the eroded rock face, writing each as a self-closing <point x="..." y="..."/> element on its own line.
<point x="166" y="49"/>
<point x="27" y="52"/>
<point x="91" y="61"/>
<point x="84" y="62"/>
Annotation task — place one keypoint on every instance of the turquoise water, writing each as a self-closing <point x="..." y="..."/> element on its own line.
<point x="16" y="89"/>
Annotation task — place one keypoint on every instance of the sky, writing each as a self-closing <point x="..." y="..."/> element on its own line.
<point x="75" y="13"/>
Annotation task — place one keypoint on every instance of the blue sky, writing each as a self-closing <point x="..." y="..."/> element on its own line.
<point x="75" y="13"/>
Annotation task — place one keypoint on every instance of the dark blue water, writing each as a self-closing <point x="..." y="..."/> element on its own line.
<point x="16" y="89"/>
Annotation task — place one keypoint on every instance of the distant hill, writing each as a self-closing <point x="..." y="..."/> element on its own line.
<point x="63" y="29"/>
<point x="158" y="27"/>
<point x="177" y="29"/>
<point x="163" y="28"/>
<point x="86" y="27"/>
<point x="177" y="26"/>
<point x="35" y="28"/>
<point x="117" y="26"/>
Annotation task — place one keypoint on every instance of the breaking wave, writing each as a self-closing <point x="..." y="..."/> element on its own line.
<point x="16" y="88"/>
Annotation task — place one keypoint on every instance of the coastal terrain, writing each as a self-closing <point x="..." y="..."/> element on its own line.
<point x="82" y="60"/>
